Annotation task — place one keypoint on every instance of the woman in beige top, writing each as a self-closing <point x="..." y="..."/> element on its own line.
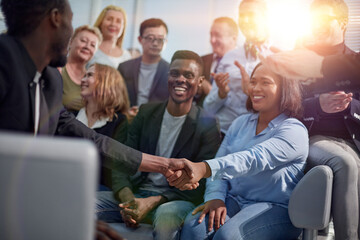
<point x="112" y="24"/>
<point x="83" y="45"/>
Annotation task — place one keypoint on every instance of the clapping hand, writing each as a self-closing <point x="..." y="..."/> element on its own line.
<point x="222" y="81"/>
<point x="334" y="102"/>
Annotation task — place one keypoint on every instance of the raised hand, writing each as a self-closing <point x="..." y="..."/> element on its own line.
<point x="245" y="78"/>
<point x="299" y="64"/>
<point x="222" y="81"/>
<point x="334" y="102"/>
<point x="217" y="213"/>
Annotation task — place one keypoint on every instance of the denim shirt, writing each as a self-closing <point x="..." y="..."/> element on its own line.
<point x="259" y="168"/>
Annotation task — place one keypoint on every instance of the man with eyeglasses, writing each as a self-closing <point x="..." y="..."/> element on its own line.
<point x="332" y="120"/>
<point x="146" y="76"/>
<point x="175" y="128"/>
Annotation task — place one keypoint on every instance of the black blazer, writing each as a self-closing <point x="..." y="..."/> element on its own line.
<point x="315" y="119"/>
<point x="159" y="90"/>
<point x="17" y="101"/>
<point x="198" y="140"/>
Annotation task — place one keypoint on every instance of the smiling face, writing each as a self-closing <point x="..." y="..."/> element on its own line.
<point x="265" y="91"/>
<point x="112" y="26"/>
<point x="253" y="21"/>
<point x="88" y="83"/>
<point x="184" y="80"/>
<point x="221" y="38"/>
<point x="83" y="46"/>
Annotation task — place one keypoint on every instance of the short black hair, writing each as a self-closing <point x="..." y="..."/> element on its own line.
<point x="152" y="22"/>
<point x="24" y="16"/>
<point x="188" y="55"/>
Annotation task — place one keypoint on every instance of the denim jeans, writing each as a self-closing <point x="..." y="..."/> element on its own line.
<point x="166" y="219"/>
<point x="344" y="160"/>
<point x="249" y="222"/>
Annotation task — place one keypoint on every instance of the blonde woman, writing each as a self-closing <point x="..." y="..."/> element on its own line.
<point x="112" y="24"/>
<point x="83" y="45"/>
<point x="106" y="105"/>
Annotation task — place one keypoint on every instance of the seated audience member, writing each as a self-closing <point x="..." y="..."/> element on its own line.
<point x="83" y="45"/>
<point x="256" y="168"/>
<point x="112" y="25"/>
<point x="223" y="38"/>
<point x="175" y="128"/>
<point x="333" y="122"/>
<point x="106" y="105"/>
<point x="227" y="99"/>
<point x="146" y="76"/>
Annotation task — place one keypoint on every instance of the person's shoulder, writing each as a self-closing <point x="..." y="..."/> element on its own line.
<point x="128" y="63"/>
<point x="292" y="124"/>
<point x="164" y="62"/>
<point x="234" y="54"/>
<point x="150" y="107"/>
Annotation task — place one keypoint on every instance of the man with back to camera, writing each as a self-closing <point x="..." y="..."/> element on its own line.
<point x="31" y="87"/>
<point x="174" y="128"/>
<point x="223" y="38"/>
<point x="226" y="98"/>
<point x="146" y="76"/>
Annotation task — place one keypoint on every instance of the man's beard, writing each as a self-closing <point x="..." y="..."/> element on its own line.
<point x="60" y="58"/>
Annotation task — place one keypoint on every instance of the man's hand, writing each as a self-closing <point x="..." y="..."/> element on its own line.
<point x="182" y="180"/>
<point x="334" y="102"/>
<point x="204" y="88"/>
<point x="105" y="232"/>
<point x="217" y="213"/>
<point x="137" y="209"/>
<point x="300" y="64"/>
<point x="245" y="78"/>
<point x="222" y="81"/>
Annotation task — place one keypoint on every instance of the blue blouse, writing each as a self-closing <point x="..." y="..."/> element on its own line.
<point x="259" y="168"/>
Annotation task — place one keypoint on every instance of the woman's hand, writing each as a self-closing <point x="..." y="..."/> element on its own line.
<point x="217" y="213"/>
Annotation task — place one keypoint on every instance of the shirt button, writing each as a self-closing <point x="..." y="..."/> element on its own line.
<point x="345" y="117"/>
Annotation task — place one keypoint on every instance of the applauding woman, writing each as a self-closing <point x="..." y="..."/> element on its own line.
<point x="106" y="105"/>
<point x="112" y="24"/>
<point x="256" y="168"/>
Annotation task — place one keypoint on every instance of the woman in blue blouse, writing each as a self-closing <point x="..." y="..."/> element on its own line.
<point x="256" y="168"/>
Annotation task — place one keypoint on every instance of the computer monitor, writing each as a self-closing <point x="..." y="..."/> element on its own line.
<point x="47" y="187"/>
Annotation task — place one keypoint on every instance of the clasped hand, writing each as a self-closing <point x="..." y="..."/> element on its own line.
<point x="185" y="175"/>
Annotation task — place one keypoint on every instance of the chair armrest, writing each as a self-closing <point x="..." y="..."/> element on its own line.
<point x="310" y="202"/>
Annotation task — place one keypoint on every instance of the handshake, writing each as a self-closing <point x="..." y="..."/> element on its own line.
<point x="184" y="174"/>
<point x="180" y="173"/>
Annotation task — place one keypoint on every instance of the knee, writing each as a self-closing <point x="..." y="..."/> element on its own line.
<point x="345" y="166"/>
<point x="172" y="212"/>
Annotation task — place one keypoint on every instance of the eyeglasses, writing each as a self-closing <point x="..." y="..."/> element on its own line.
<point x="323" y="20"/>
<point x="176" y="74"/>
<point x="152" y="39"/>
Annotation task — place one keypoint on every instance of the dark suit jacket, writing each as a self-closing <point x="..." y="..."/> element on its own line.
<point x="159" y="90"/>
<point x="348" y="121"/>
<point x="198" y="140"/>
<point x="207" y="59"/>
<point x="17" y="101"/>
